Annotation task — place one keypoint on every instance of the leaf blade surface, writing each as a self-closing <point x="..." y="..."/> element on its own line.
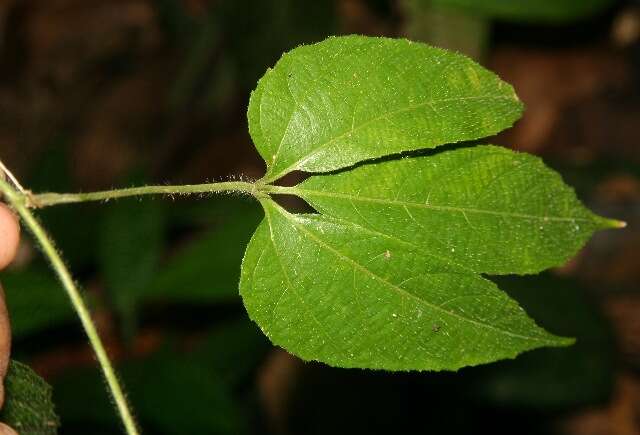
<point x="346" y="99"/>
<point x="486" y="208"/>
<point x="329" y="290"/>
<point x="28" y="408"/>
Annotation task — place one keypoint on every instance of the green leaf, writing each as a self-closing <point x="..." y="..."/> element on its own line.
<point x="217" y="253"/>
<point x="528" y="10"/>
<point x="331" y="290"/>
<point x="332" y="104"/>
<point x="28" y="407"/>
<point x="175" y="392"/>
<point x="180" y="396"/>
<point x="485" y="208"/>
<point x="132" y="238"/>
<point x="35" y="301"/>
<point x="244" y="347"/>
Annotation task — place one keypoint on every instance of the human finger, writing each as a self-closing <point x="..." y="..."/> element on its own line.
<point x="6" y="430"/>
<point x="9" y="236"/>
<point x="5" y="344"/>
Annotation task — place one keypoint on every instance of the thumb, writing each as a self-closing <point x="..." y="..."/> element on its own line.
<point x="5" y="344"/>
<point x="9" y="236"/>
<point x="9" y="240"/>
<point x="6" y="430"/>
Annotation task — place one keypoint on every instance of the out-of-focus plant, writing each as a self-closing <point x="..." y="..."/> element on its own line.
<point x="465" y="25"/>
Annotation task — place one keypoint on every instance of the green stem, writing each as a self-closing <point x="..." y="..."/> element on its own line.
<point x="19" y="202"/>
<point x="49" y="199"/>
<point x="278" y="190"/>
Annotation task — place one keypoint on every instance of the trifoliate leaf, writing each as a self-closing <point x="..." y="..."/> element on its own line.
<point x="388" y="275"/>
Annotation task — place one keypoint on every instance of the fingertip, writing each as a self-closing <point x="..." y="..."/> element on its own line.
<point x="9" y="236"/>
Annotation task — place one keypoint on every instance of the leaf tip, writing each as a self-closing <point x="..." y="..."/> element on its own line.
<point x="564" y="341"/>
<point x="619" y="224"/>
<point x="613" y="223"/>
<point x="553" y="340"/>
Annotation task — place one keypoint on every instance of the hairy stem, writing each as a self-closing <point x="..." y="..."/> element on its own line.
<point x="19" y="202"/>
<point x="49" y="199"/>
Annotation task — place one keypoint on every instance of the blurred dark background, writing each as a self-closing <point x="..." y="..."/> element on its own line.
<point x="97" y="94"/>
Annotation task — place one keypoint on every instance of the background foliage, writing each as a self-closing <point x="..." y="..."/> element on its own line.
<point x="99" y="94"/>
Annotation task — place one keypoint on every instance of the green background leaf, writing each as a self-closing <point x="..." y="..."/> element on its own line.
<point x="185" y="277"/>
<point x="28" y="407"/>
<point x="528" y="10"/>
<point x="553" y="378"/>
<point x="131" y="241"/>
<point x="177" y="389"/>
<point x="333" y="291"/>
<point x="35" y="302"/>
<point x="486" y="208"/>
<point x="173" y="396"/>
<point x="329" y="105"/>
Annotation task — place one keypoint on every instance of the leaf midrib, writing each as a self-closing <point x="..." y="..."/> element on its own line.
<point x="302" y="192"/>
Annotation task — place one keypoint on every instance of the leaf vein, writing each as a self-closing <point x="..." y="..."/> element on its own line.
<point x="347" y="196"/>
